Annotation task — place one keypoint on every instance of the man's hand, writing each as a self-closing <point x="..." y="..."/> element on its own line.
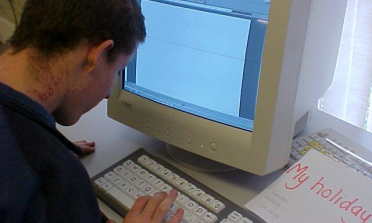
<point x="147" y="209"/>
<point x="153" y="209"/>
<point x="86" y="147"/>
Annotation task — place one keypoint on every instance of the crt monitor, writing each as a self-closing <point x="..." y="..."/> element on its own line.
<point x="230" y="81"/>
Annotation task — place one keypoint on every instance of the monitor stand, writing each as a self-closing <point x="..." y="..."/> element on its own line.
<point x="195" y="162"/>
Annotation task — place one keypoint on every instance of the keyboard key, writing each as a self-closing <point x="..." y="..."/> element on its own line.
<point x="141" y="183"/>
<point x="198" y="193"/>
<point x="149" y="189"/>
<point x="135" y="168"/>
<point x="123" y="185"/>
<point x="143" y="173"/>
<point x="245" y="220"/>
<point x="150" y="178"/>
<point x="122" y="198"/>
<point x="210" y="217"/>
<point x="130" y="190"/>
<point x="110" y="175"/>
<point x="158" y="183"/>
<point x="133" y="179"/>
<point x="235" y="216"/>
<point x="181" y="183"/>
<point x="126" y="174"/>
<point x="106" y="186"/>
<point x="128" y="163"/>
<point x="190" y="218"/>
<point x="116" y="180"/>
<point x="200" y="211"/>
<point x="143" y="159"/>
<point x="191" y="205"/>
<point x="207" y="199"/>
<point x="217" y="206"/>
<point x="166" y="188"/>
<point x="119" y="169"/>
<point x="150" y="163"/>
<point x="137" y="195"/>
<point x="173" y="178"/>
<point x="100" y="181"/>
<point x="189" y="188"/>
<point x="182" y="199"/>
<point x="165" y="173"/>
<point x="157" y="168"/>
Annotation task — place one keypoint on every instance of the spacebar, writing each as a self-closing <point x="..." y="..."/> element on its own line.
<point x="121" y="197"/>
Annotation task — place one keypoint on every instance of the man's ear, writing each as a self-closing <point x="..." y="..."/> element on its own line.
<point x="97" y="54"/>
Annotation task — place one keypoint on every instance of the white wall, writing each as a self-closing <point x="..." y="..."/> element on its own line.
<point x="7" y="20"/>
<point x="6" y="29"/>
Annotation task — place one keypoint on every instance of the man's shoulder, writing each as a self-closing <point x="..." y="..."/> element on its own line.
<point x="20" y="181"/>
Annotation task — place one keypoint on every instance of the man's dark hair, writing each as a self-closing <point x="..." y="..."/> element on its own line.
<point x="54" y="26"/>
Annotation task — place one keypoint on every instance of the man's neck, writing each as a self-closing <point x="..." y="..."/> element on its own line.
<point x="41" y="80"/>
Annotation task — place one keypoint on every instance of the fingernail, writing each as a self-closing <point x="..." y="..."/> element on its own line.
<point x="161" y="193"/>
<point x="174" y="192"/>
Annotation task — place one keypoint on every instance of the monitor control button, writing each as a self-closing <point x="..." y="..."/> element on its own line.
<point x="213" y="146"/>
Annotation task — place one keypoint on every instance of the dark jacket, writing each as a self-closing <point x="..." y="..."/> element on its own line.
<point x="40" y="178"/>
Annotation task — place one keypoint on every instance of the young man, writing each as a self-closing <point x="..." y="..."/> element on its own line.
<point x="62" y="60"/>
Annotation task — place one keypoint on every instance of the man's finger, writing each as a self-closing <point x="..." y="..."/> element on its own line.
<point x="152" y="205"/>
<point x="139" y="205"/>
<point x="163" y="207"/>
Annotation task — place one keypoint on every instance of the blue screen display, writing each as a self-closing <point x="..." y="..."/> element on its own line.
<point x="201" y="58"/>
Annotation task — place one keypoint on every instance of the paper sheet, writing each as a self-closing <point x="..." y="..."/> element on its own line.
<point x="316" y="189"/>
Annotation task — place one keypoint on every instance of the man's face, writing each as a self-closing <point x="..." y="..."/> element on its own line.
<point x="96" y="87"/>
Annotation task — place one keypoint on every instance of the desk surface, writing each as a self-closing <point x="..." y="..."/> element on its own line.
<point x="115" y="141"/>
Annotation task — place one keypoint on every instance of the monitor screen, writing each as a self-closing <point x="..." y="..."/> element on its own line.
<point x="201" y="59"/>
<point x="230" y="81"/>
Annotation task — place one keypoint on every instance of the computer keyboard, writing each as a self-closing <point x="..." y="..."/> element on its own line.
<point x="141" y="173"/>
<point x="336" y="146"/>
